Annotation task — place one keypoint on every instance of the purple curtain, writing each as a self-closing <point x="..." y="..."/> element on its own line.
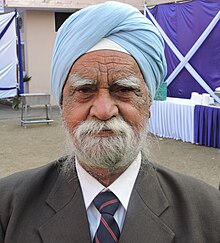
<point x="184" y="23"/>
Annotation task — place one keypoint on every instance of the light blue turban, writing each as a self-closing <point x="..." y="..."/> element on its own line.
<point x="118" y="22"/>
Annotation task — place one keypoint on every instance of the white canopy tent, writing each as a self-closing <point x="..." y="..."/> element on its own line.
<point x="8" y="56"/>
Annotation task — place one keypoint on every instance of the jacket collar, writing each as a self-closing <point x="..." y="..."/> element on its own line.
<point x="70" y="219"/>
<point x="147" y="204"/>
<point x="142" y="221"/>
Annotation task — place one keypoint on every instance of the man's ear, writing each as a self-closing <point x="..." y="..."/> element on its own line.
<point x="149" y="106"/>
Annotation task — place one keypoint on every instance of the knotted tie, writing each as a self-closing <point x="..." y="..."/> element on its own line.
<point x="107" y="204"/>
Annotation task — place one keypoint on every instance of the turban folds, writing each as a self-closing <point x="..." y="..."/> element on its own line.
<point x="122" y="24"/>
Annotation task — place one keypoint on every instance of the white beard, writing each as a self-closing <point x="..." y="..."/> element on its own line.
<point x="110" y="152"/>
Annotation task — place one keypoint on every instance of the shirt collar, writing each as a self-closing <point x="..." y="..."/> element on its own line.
<point x="121" y="187"/>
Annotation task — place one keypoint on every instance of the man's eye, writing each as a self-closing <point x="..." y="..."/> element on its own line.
<point x="85" y="90"/>
<point x="84" y="93"/>
<point x="125" y="90"/>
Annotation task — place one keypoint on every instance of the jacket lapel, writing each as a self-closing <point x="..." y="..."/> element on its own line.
<point x="142" y="223"/>
<point x="69" y="224"/>
<point x="147" y="203"/>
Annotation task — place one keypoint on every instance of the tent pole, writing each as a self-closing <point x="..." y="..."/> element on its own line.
<point x="21" y="78"/>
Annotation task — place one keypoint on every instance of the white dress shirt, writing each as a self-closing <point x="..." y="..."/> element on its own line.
<point x="121" y="187"/>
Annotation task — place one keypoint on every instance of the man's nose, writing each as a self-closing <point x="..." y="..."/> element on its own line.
<point x="104" y="106"/>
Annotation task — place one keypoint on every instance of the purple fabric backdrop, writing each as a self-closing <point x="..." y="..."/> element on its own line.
<point x="184" y="23"/>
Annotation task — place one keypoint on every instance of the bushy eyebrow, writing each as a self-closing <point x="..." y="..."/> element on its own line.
<point x="129" y="82"/>
<point x="78" y="81"/>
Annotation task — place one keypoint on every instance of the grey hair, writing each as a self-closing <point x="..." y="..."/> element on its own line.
<point x="77" y="80"/>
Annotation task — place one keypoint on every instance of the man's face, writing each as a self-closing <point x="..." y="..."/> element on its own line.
<point x="105" y="87"/>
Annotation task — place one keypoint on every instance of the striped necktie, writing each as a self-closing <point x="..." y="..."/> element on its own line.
<point x="107" y="204"/>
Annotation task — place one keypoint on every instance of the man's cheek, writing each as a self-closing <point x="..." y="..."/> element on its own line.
<point x="140" y="106"/>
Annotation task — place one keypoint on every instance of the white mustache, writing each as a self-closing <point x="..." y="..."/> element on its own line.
<point x="111" y="152"/>
<point x="94" y="126"/>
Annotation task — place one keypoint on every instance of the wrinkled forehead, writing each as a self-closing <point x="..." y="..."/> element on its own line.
<point x="102" y="65"/>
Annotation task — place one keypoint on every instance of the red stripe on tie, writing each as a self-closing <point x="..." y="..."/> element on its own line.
<point x="109" y="229"/>
<point x="96" y="239"/>
<point x="107" y="203"/>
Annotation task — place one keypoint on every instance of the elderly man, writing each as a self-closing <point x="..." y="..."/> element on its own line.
<point x="107" y="64"/>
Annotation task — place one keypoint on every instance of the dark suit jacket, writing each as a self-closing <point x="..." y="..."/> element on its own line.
<point x="41" y="205"/>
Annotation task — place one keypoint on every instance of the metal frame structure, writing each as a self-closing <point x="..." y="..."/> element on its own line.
<point x="35" y="99"/>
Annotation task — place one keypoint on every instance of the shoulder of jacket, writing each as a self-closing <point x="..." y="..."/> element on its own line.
<point x="26" y="175"/>
<point x="192" y="188"/>
<point x="30" y="177"/>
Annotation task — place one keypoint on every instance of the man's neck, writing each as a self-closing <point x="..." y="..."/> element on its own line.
<point x="105" y="176"/>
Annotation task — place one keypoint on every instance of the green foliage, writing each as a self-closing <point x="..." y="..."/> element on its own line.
<point x="16" y="100"/>
<point x="27" y="78"/>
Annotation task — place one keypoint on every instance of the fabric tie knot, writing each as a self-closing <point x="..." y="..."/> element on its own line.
<point x="106" y="202"/>
<point x="108" y="231"/>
